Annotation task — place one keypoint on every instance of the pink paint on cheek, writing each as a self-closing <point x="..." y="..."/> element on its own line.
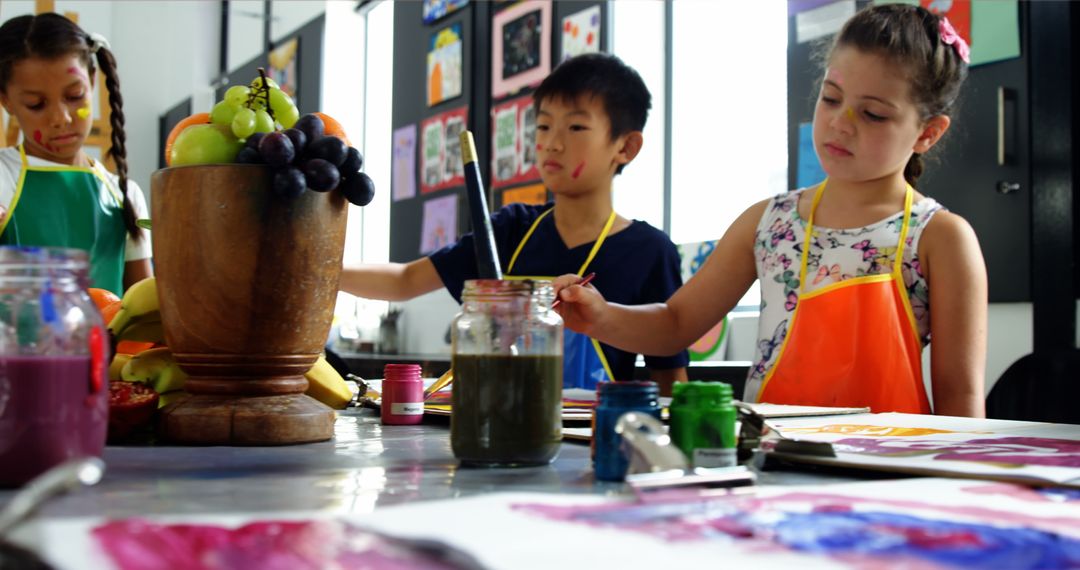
<point x="539" y="146"/>
<point x="37" y="137"/>
<point x="577" y="171"/>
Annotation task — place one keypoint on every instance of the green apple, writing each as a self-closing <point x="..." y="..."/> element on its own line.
<point x="205" y="144"/>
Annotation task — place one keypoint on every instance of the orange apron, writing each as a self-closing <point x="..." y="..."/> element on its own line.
<point x="852" y="343"/>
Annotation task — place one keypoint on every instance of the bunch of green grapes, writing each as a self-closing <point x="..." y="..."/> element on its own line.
<point x="261" y="107"/>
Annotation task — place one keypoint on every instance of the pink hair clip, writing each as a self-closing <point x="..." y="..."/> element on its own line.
<point x="950" y="37"/>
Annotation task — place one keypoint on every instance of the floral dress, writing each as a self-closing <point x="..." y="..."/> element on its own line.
<point x="835" y="255"/>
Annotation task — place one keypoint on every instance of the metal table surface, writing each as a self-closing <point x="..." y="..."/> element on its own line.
<point x="366" y="465"/>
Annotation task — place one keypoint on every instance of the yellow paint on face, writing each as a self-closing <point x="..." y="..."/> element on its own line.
<point x="851" y="114"/>
<point x="83" y="112"/>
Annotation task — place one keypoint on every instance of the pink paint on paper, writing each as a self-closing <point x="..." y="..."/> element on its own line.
<point x="577" y="171"/>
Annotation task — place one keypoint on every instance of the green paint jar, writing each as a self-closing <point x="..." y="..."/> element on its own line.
<point x="702" y="418"/>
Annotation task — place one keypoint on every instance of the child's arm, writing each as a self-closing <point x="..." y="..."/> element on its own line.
<point x="135" y="271"/>
<point x="956" y="277"/>
<point x="391" y="281"/>
<point x="666" y="328"/>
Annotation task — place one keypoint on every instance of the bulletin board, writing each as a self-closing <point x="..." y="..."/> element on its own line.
<point x="412" y="109"/>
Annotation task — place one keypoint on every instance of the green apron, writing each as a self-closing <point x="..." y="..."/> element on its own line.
<point x="66" y="206"/>
<point x="584" y="363"/>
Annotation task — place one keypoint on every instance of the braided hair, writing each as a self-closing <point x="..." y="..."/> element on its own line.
<point x="49" y="36"/>
<point x="910" y="38"/>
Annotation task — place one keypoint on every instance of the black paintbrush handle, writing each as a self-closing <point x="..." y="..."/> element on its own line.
<point x="487" y="256"/>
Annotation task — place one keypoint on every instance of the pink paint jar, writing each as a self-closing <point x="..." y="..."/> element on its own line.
<point x="402" y="395"/>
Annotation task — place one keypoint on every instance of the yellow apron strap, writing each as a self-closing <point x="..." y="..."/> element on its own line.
<point x="898" y="263"/>
<point x="596" y="247"/>
<point x="528" y="234"/>
<point x="592" y="254"/>
<point x="809" y="232"/>
<point x="603" y="359"/>
<point x="18" y="191"/>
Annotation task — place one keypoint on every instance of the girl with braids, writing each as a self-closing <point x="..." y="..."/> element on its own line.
<point x="51" y="192"/>
<point x="858" y="273"/>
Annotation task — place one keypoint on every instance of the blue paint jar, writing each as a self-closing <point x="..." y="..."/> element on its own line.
<point x="613" y="400"/>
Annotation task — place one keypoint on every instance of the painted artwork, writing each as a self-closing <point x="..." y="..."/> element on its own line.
<point x="917" y="523"/>
<point x="943" y="445"/>
<point x="403" y="177"/>
<point x="713" y="344"/>
<point x="581" y="33"/>
<point x="444" y="65"/>
<point x="521" y="46"/>
<point x="992" y="29"/>
<point x="809" y="167"/>
<point x="513" y="136"/>
<point x="534" y="194"/>
<point x="435" y="9"/>
<point x="440" y="150"/>
<point x="439" y="227"/>
<point x="282" y="70"/>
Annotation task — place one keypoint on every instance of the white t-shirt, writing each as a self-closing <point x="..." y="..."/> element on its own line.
<point x="11" y="167"/>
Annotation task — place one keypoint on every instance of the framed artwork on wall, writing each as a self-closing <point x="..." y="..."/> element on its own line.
<point x="444" y="65"/>
<point x="521" y="46"/>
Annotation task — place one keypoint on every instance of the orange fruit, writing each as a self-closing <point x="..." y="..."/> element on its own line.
<point x="332" y="127"/>
<point x="109" y="311"/>
<point x="102" y="297"/>
<point x="196" y="119"/>
<point x="132" y="347"/>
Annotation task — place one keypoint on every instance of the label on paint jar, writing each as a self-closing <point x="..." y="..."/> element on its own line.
<point x="714" y="457"/>
<point x="407" y="409"/>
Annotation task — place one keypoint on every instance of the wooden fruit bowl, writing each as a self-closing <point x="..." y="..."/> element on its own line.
<point x="247" y="282"/>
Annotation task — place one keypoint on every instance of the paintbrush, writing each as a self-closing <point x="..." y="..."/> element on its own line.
<point x="439" y="384"/>
<point x="584" y="281"/>
<point x="487" y="256"/>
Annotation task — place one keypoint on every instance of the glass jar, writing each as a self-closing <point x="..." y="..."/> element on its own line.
<point x="613" y="399"/>
<point x="54" y="397"/>
<point x="703" y="423"/>
<point x="507" y="346"/>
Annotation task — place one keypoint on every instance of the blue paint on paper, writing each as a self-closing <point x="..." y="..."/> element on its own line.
<point x="891" y="535"/>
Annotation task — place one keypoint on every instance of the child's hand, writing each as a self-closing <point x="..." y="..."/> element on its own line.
<point x="581" y="307"/>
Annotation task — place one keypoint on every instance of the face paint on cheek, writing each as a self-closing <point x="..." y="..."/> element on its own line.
<point x="577" y="171"/>
<point x="850" y="114"/>
<point x="83" y="112"/>
<point x="37" y="139"/>
<point x="77" y="71"/>
<point x="539" y="146"/>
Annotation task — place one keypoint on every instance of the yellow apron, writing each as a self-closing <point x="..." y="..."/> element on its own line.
<point x="584" y="364"/>
<point x="853" y="343"/>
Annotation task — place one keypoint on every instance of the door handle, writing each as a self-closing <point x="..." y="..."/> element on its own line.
<point x="1006" y="126"/>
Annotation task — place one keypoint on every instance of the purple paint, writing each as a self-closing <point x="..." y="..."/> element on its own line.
<point x="864" y="531"/>
<point x="52" y="413"/>
<point x="577" y="171"/>
<point x="1009" y="450"/>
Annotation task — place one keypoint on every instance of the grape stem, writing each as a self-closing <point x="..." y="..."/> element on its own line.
<point x="264" y="91"/>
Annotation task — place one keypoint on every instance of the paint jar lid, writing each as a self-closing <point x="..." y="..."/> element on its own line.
<point x="701" y="394"/>
<point x="401" y="372"/>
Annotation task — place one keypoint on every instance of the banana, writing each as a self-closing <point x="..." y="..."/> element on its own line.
<point x="146" y="329"/>
<point x="117" y="365"/>
<point x="139" y="301"/>
<point x="327" y="386"/>
<point x="155" y="367"/>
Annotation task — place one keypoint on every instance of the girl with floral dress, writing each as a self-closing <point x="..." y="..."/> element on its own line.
<point x="858" y="273"/>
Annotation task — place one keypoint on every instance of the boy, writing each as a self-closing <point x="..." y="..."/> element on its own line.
<point x="590" y="114"/>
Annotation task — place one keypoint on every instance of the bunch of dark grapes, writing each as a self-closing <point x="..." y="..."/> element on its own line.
<point x="303" y="157"/>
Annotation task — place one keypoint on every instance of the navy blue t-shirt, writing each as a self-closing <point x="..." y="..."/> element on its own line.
<point x="635" y="266"/>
